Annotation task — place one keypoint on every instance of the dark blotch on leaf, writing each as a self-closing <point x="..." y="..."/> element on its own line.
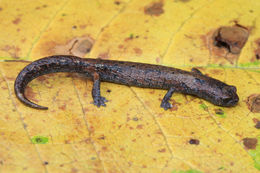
<point x="117" y="2"/>
<point x="253" y="103"/>
<point x="85" y="46"/>
<point x="219" y="111"/>
<point x="250" y="143"/>
<point x="233" y="38"/>
<point x="154" y="9"/>
<point x="194" y="141"/>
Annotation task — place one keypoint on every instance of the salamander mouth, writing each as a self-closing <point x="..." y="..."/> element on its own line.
<point x="231" y="101"/>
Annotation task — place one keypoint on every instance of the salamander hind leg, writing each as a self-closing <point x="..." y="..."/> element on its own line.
<point x="98" y="99"/>
<point x="165" y="102"/>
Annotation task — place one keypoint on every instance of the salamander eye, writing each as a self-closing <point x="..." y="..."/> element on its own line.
<point x="229" y="89"/>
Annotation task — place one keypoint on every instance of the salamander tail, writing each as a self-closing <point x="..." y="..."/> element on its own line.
<point x="27" y="102"/>
<point x="19" y="88"/>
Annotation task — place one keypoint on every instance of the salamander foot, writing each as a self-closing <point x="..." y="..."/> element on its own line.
<point x="100" y="101"/>
<point x="166" y="105"/>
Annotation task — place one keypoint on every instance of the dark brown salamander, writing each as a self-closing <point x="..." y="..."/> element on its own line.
<point x="130" y="74"/>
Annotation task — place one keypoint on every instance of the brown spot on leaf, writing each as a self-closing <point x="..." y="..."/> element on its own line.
<point x="82" y="26"/>
<point x="131" y="37"/>
<point x="42" y="78"/>
<point x="30" y="94"/>
<point x="174" y="105"/>
<point x="102" y="137"/>
<point x="138" y="51"/>
<point x="104" y="55"/>
<point x="158" y="60"/>
<point x="4" y="88"/>
<point x="63" y="107"/>
<point x="253" y="103"/>
<point x="162" y="150"/>
<point x="84" y="46"/>
<point x="23" y="40"/>
<point x="78" y="46"/>
<point x="250" y="143"/>
<point x="232" y="38"/>
<point x="154" y="9"/>
<point x="194" y="142"/>
<point x="17" y="21"/>
<point x="216" y="71"/>
<point x="120" y="46"/>
<point x="140" y="126"/>
<point x="220" y="54"/>
<point x="1" y="8"/>
<point x="13" y="51"/>
<point x="117" y="2"/>
<point x="255" y="120"/>
<point x="74" y="170"/>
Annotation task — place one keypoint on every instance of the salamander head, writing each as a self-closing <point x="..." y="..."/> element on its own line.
<point x="224" y="96"/>
<point x="215" y="91"/>
<point x="229" y="96"/>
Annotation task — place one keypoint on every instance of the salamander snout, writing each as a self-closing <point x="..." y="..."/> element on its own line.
<point x="230" y="97"/>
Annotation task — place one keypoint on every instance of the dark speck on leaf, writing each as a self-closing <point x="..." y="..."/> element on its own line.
<point x="219" y="111"/>
<point x="194" y="141"/>
<point x="117" y="2"/>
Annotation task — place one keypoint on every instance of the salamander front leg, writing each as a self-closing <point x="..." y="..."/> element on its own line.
<point x="165" y="102"/>
<point x="98" y="99"/>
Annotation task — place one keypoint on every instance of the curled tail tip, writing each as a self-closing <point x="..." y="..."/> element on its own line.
<point x="41" y="107"/>
<point x="19" y="88"/>
<point x="33" y="105"/>
<point x="27" y="102"/>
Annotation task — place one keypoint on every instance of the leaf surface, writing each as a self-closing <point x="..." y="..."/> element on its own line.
<point x="132" y="133"/>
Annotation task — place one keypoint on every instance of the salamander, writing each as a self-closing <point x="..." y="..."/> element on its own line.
<point x="130" y="74"/>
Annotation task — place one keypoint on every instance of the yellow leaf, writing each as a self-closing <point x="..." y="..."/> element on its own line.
<point x="132" y="133"/>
